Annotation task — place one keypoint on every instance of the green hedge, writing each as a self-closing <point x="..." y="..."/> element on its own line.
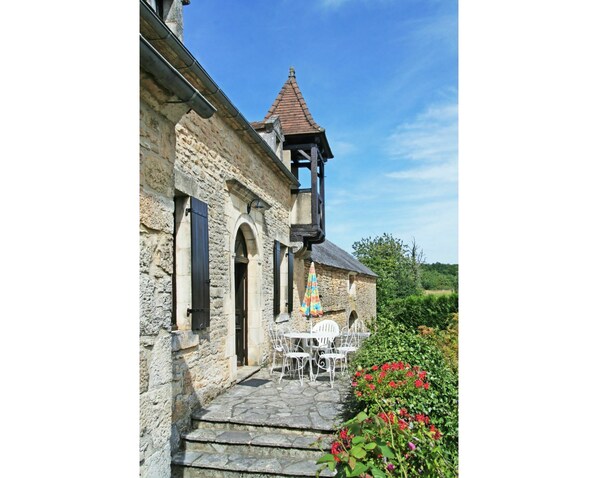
<point x="429" y="310"/>
<point x="393" y="342"/>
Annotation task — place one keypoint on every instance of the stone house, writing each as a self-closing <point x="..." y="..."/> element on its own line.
<point x="226" y="230"/>
<point x="347" y="287"/>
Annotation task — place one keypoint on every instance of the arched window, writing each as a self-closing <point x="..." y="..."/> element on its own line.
<point x="352" y="318"/>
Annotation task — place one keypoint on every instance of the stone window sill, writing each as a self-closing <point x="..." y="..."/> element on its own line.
<point x="184" y="339"/>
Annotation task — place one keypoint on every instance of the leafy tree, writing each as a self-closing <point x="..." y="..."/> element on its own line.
<point x="439" y="276"/>
<point x="396" y="264"/>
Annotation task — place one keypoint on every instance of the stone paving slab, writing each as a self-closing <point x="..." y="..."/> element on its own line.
<point x="257" y="437"/>
<point x="240" y="463"/>
<point x="263" y="400"/>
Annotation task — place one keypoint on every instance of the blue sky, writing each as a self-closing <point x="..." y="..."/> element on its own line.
<point x="380" y="76"/>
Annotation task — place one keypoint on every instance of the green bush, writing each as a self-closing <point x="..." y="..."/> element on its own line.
<point x="429" y="310"/>
<point x="388" y="443"/>
<point x="392" y="342"/>
<point x="439" y="276"/>
<point x="447" y="341"/>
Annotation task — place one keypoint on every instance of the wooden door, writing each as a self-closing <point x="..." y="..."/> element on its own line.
<point x="241" y="312"/>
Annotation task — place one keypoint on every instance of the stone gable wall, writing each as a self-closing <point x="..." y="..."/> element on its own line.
<point x="337" y="302"/>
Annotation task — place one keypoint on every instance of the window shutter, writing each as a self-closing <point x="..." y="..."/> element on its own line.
<point x="290" y="281"/>
<point x="276" y="264"/>
<point x="200" y="271"/>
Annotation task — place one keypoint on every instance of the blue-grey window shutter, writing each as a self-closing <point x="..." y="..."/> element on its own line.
<point x="200" y="262"/>
<point x="276" y="265"/>
<point x="290" y="281"/>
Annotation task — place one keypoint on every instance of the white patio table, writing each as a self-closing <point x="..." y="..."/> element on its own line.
<point x="308" y="344"/>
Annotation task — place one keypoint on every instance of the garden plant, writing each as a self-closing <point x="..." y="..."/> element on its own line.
<point x="404" y="405"/>
<point x="387" y="439"/>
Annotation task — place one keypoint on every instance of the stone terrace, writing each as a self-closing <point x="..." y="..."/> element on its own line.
<point x="261" y="427"/>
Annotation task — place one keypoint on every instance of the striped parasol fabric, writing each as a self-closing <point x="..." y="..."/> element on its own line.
<point x="311" y="305"/>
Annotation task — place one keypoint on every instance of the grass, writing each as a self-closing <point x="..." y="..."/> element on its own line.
<point x="438" y="292"/>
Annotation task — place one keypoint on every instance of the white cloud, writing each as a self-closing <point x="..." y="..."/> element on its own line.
<point x="443" y="172"/>
<point x="342" y="148"/>
<point x="432" y="136"/>
<point x="431" y="141"/>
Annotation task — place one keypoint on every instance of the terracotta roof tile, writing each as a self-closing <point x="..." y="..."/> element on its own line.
<point x="291" y="108"/>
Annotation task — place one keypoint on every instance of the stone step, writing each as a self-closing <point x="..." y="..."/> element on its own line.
<point x="266" y="443"/>
<point x="286" y="427"/>
<point x="195" y="464"/>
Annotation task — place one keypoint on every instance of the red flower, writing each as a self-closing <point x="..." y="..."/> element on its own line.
<point x="368" y="377"/>
<point x="392" y="384"/>
<point x="410" y="374"/>
<point x="382" y="374"/>
<point x="418" y="383"/>
<point x="420" y="417"/>
<point x="385" y="367"/>
<point x="372" y="386"/>
<point x="402" y="424"/>
<point x="395" y="366"/>
<point x="354" y="384"/>
<point x="422" y="375"/>
<point x="336" y="449"/>
<point x="375" y="367"/>
<point x="344" y="434"/>
<point x="358" y="374"/>
<point x="358" y="393"/>
<point x="401" y="366"/>
<point x="403" y="411"/>
<point x="426" y="385"/>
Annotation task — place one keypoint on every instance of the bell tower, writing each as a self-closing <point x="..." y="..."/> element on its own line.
<point x="306" y="144"/>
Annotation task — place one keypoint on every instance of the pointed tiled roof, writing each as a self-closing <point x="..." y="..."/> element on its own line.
<point x="292" y="110"/>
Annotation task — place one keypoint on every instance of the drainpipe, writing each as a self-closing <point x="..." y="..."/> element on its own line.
<point x="190" y="63"/>
<point x="168" y="77"/>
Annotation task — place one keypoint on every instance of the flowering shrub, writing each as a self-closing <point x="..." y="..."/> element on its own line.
<point x="391" y="342"/>
<point x="388" y="381"/>
<point x="388" y="444"/>
<point x="387" y="440"/>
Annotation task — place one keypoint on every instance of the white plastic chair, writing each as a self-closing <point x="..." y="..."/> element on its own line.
<point x="359" y="330"/>
<point x="325" y="343"/>
<point x="331" y="359"/>
<point x="290" y="354"/>
<point x="275" y="332"/>
<point x="348" y="345"/>
<point x="326" y="356"/>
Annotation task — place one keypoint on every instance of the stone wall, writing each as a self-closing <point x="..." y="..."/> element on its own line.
<point x="337" y="300"/>
<point x="157" y="153"/>
<point x="217" y="166"/>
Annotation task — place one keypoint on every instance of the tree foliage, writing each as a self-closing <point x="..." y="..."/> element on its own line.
<point x="429" y="310"/>
<point x="439" y="276"/>
<point x="397" y="265"/>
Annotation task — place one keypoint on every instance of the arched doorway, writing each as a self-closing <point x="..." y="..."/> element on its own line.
<point x="241" y="262"/>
